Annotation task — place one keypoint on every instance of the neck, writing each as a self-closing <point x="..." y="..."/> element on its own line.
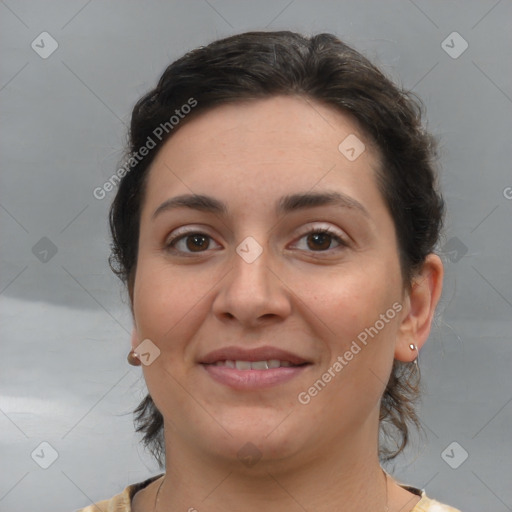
<point x="347" y="476"/>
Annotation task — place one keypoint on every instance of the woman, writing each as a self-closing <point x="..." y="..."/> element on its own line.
<point x="275" y="226"/>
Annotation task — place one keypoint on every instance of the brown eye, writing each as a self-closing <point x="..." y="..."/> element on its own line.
<point x="320" y="240"/>
<point x="189" y="243"/>
<point x="196" y="242"/>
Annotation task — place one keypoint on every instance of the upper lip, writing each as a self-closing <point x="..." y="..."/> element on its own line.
<point x="266" y="353"/>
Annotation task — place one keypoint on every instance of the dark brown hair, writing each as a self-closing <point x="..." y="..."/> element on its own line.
<point x="320" y="68"/>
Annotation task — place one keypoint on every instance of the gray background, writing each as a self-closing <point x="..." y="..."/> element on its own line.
<point x="65" y="320"/>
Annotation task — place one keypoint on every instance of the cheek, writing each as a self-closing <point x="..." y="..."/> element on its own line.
<point x="346" y="301"/>
<point x="345" y="313"/>
<point x="165" y="301"/>
<point x="168" y="309"/>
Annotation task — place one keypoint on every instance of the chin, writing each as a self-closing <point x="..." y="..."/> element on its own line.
<point x="255" y="442"/>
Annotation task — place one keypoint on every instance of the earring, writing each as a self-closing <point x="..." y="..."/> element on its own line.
<point x="133" y="358"/>
<point x="412" y="346"/>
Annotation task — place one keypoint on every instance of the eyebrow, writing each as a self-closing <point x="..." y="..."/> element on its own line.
<point x="286" y="204"/>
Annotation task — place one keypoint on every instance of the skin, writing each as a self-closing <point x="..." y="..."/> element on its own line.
<point x="308" y="297"/>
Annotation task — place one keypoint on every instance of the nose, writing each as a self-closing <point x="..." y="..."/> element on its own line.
<point x="253" y="292"/>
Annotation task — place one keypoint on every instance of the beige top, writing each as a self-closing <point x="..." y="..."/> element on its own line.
<point x="122" y="502"/>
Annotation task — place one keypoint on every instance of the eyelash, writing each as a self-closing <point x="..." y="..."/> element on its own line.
<point x="170" y="245"/>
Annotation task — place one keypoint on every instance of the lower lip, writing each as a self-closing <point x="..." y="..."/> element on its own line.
<point x="252" y="379"/>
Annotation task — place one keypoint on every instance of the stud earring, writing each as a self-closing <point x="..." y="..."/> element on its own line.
<point x="133" y="358"/>
<point x="412" y="346"/>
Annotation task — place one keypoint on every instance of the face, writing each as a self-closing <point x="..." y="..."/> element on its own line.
<point x="250" y="274"/>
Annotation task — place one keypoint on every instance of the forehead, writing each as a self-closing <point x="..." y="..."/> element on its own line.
<point x="280" y="121"/>
<point x="257" y="149"/>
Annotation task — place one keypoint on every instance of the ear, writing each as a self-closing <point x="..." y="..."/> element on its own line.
<point x="135" y="338"/>
<point x="419" y="308"/>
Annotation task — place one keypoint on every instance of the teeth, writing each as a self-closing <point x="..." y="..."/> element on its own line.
<point x="255" y="365"/>
<point x="242" y="365"/>
<point x="259" y="365"/>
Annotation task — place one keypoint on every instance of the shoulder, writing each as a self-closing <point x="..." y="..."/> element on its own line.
<point x="120" y="502"/>
<point x="429" y="505"/>
<point x="100" y="506"/>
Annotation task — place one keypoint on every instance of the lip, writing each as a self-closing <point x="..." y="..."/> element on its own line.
<point x="266" y="353"/>
<point x="252" y="379"/>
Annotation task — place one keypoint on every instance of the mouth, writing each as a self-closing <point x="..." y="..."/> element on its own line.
<point x="243" y="369"/>
<point x="269" y="364"/>
<point x="260" y="356"/>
